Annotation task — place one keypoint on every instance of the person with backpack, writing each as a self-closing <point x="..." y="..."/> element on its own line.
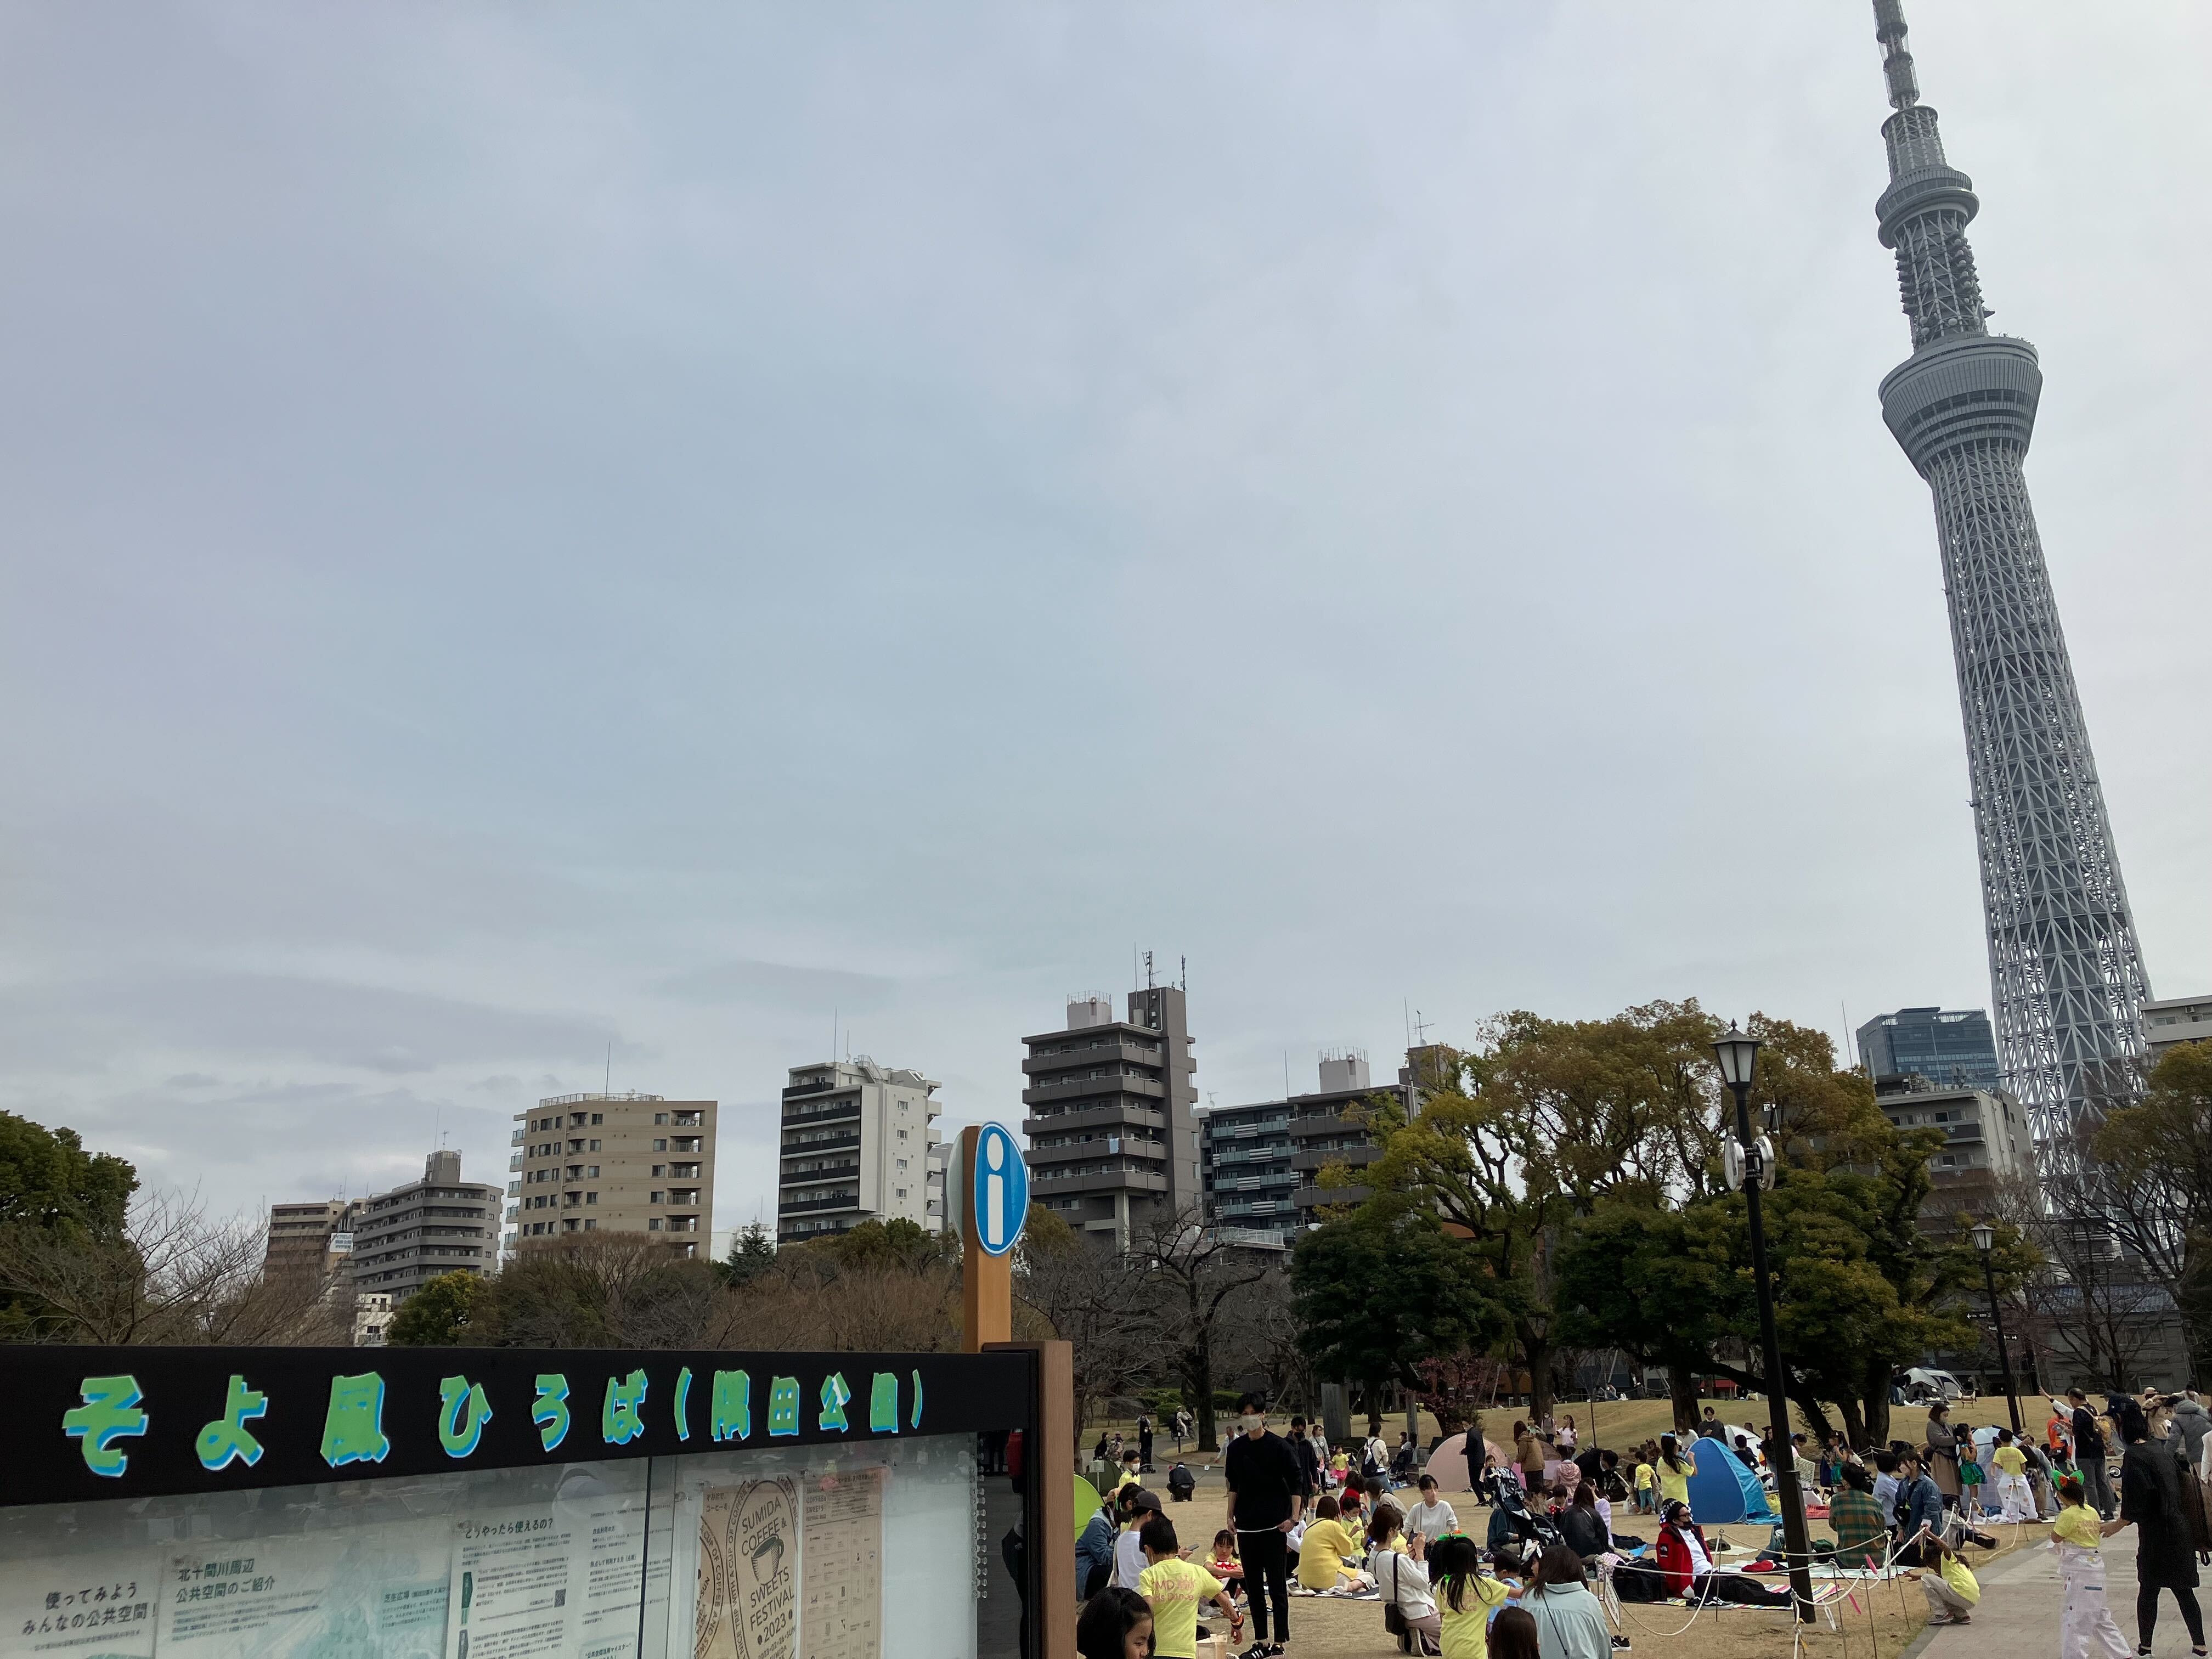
<point x="1397" y="1558"/>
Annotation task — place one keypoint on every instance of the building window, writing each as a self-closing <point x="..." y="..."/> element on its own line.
<point x="653" y="1225"/>
<point x="656" y="1198"/>
<point x="660" y="1117"/>
<point x="591" y="1198"/>
<point x="598" y="1118"/>
<point x="593" y="1147"/>
<point x="661" y="1145"/>
<point x="591" y="1226"/>
<point x="591" y="1170"/>
<point x="659" y="1169"/>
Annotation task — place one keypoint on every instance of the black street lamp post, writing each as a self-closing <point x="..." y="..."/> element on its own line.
<point x="1985" y="1240"/>
<point x="1738" y="1055"/>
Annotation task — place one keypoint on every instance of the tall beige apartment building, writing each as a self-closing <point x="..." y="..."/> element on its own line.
<point x="613" y="1163"/>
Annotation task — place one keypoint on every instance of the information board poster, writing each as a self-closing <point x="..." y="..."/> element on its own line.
<point x="841" y="1613"/>
<point x="558" y="1578"/>
<point x="749" y="1556"/>
<point x="53" y="1607"/>
<point x="375" y="1593"/>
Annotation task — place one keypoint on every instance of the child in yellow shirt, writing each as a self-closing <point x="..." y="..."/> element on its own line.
<point x="2086" y="1631"/>
<point x="2016" y="1501"/>
<point x="1647" y="1488"/>
<point x="1465" y="1596"/>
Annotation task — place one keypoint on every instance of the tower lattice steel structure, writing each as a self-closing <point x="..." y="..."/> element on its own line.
<point x="2066" y="974"/>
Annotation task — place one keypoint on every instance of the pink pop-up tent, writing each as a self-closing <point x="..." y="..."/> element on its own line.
<point x="1447" y="1462"/>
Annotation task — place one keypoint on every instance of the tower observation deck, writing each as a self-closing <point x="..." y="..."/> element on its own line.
<point x="2066" y="974"/>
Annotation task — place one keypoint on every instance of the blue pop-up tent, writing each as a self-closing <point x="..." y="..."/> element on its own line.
<point x="1722" y="1491"/>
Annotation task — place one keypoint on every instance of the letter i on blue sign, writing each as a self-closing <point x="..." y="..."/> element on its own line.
<point x="999" y="1187"/>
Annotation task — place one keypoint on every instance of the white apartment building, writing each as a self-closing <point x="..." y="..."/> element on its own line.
<point x="859" y="1142"/>
<point x="605" y="1163"/>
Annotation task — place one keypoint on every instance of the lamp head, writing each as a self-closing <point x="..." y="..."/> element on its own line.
<point x="1984" y="1237"/>
<point x="1737" y="1054"/>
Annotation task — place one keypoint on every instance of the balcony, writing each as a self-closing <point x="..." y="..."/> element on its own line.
<point x="823" y="1111"/>
<point x="848" y="1170"/>
<point x="1309" y="1158"/>
<point x="1121" y="1052"/>
<point x="1312" y="1198"/>
<point x="683" y="1172"/>
<point x="1095" y="1117"/>
<point x="684" y="1197"/>
<point x="836" y="1143"/>
<point x="684" y="1144"/>
<point x="1103" y="1181"/>
<point x="809" y="1205"/>
<point x="813" y="1087"/>
<point x="1046" y="1089"/>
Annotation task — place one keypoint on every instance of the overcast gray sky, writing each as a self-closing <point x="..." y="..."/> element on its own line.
<point x="536" y="527"/>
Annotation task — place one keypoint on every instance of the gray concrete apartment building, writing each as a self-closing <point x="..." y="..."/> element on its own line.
<point x="441" y="1224"/>
<point x="2171" y="1021"/>
<point x="1986" y="1136"/>
<point x="1112" y="1115"/>
<point x="859" y="1142"/>
<point x="613" y="1163"/>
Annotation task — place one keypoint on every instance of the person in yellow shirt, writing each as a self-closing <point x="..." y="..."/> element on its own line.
<point x="1176" y="1588"/>
<point x="1674" y="1470"/>
<point x="1952" y="1590"/>
<point x="2016" y="1501"/>
<point x="1647" y="1487"/>
<point x="1466" y="1597"/>
<point x="2087" y="1631"/>
<point x="1322" y="1550"/>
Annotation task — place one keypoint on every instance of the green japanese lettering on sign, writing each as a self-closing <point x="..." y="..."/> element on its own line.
<point x="914" y="1422"/>
<point x="110" y="1412"/>
<point x="684" y="1403"/>
<point x="882" y="1404"/>
<point x="622" y="1418"/>
<point x="730" y="1412"/>
<point x="550" y="1411"/>
<point x="227" y="1440"/>
<point x="783" y="1402"/>
<point x="353" y="1422"/>
<point x="463" y="1411"/>
<point x="835" y="1396"/>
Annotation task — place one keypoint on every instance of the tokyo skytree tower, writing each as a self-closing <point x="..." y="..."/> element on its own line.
<point x="2066" y="974"/>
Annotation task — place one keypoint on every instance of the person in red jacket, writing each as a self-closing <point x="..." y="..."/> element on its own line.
<point x="1685" y="1566"/>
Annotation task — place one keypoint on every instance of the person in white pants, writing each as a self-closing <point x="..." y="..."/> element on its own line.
<point x="2087" y="1630"/>
<point x="2009" y="1465"/>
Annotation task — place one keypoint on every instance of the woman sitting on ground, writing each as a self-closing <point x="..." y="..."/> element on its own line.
<point x="1398" y="1565"/>
<point x="1323" y="1550"/>
<point x="1686" y="1563"/>
<point x="1582" y="1526"/>
<point x="1570" y="1621"/>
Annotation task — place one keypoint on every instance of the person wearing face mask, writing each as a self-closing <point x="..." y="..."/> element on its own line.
<point x="1266" y="1495"/>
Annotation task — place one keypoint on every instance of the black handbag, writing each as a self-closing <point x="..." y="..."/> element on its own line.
<point x="1393" y="1616"/>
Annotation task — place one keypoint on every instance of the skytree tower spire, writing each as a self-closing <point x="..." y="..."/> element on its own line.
<point x="2066" y="974"/>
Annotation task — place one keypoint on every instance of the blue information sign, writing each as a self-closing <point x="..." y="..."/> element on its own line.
<point x="999" y="1187"/>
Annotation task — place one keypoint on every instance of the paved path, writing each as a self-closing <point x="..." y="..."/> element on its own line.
<point x="2022" y="1603"/>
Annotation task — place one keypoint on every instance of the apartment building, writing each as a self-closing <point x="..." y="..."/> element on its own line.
<point x="441" y="1224"/>
<point x="613" y="1163"/>
<point x="300" y="1235"/>
<point x="1323" y="1138"/>
<point x="2169" y="1022"/>
<point x="860" y="1142"/>
<point x="1113" y="1121"/>
<point x="1245" y="1155"/>
<point x="1986" y="1135"/>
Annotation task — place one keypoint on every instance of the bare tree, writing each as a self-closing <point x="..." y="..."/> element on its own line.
<point x="1194" y="1273"/>
<point x="173" y="1274"/>
<point x="1096" y="1301"/>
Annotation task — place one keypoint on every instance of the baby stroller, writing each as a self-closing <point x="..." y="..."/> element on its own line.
<point x="1510" y="1513"/>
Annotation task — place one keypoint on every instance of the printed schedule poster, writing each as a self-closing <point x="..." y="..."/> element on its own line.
<point x="559" y="1578"/>
<point x="50" y="1607"/>
<point x="376" y="1592"/>
<point x="841" y="1614"/>
<point x="748" y="1571"/>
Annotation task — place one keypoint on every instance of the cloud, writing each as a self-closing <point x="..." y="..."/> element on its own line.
<point x="779" y="985"/>
<point x="365" y="1027"/>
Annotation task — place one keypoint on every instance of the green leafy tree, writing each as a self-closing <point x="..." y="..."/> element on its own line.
<point x="48" y="1180"/>
<point x="1649" y="1280"/>
<point x="441" y="1314"/>
<point x="2155" y="1160"/>
<point x="1385" y="1289"/>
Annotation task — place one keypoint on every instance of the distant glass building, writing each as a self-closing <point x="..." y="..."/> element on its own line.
<point x="1951" y="1048"/>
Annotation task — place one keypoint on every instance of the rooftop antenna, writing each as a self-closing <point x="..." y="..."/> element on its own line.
<point x="1420" y="1028"/>
<point x="1183" y="984"/>
<point x="1286" y="1075"/>
<point x="608" y="1087"/>
<point x="1148" y="971"/>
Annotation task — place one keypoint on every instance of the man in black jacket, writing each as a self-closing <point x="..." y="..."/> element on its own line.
<point x="1266" y="1495"/>
<point x="2089" y="1455"/>
<point x="1309" y="1458"/>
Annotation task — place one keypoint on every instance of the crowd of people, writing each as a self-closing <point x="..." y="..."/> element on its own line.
<point x="1357" y="1520"/>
